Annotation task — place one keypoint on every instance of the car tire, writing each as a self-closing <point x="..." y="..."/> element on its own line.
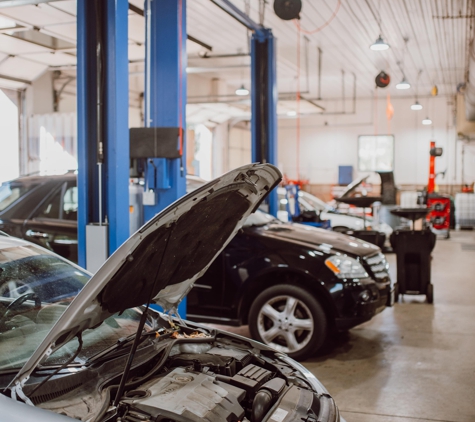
<point x="430" y="293"/>
<point x="292" y="307"/>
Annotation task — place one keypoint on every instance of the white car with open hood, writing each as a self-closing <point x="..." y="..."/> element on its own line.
<point x="76" y="347"/>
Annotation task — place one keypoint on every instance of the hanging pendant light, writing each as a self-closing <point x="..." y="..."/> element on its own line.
<point x="427" y="121"/>
<point x="404" y="84"/>
<point x="416" y="106"/>
<point x="242" y="91"/>
<point x="379" y="45"/>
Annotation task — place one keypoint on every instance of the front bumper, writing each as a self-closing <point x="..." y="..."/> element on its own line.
<point x="357" y="310"/>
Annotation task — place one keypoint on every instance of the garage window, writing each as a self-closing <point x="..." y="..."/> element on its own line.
<point x="376" y="153"/>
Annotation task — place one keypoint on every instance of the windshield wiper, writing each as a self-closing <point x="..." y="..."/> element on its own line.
<point x="119" y="345"/>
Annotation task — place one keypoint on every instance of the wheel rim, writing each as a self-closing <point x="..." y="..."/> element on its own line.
<point x="285" y="323"/>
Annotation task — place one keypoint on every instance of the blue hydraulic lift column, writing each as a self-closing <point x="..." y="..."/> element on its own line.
<point x="165" y="99"/>
<point x="264" y="104"/>
<point x="103" y="132"/>
<point x="264" y="95"/>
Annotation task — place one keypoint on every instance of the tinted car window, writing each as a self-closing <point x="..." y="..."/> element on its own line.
<point x="10" y="193"/>
<point x="50" y="209"/>
<point x="70" y="204"/>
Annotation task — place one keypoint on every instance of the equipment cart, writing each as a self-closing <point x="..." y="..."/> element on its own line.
<point x="413" y="251"/>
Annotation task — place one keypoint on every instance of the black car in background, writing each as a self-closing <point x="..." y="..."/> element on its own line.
<point x="291" y="283"/>
<point x="43" y="210"/>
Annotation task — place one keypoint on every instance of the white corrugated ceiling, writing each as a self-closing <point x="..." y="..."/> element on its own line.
<point x="429" y="38"/>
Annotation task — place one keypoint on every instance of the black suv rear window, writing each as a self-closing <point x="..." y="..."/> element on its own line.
<point x="11" y="192"/>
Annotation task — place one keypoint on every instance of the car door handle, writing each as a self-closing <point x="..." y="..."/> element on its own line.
<point x="37" y="235"/>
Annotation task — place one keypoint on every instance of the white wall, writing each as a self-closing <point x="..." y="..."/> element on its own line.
<point x="9" y="141"/>
<point x="39" y="95"/>
<point x="239" y="147"/>
<point x="327" y="141"/>
<point x="220" y="149"/>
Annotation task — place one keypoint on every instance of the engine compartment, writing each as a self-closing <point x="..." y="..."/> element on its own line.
<point x="189" y="395"/>
<point x="212" y="378"/>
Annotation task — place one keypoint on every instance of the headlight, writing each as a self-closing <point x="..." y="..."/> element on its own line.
<point x="328" y="410"/>
<point x="345" y="267"/>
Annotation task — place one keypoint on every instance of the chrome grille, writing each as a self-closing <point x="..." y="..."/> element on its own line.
<point x="378" y="265"/>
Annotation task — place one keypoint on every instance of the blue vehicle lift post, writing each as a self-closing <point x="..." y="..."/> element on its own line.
<point x="264" y="104"/>
<point x="264" y="94"/>
<point x="103" y="132"/>
<point x="165" y="100"/>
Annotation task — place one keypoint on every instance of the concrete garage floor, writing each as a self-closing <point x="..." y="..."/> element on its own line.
<point x="415" y="361"/>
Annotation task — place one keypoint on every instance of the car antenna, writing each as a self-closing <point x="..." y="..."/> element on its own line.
<point x="143" y="318"/>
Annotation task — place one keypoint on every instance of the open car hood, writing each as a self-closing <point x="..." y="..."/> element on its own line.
<point x="164" y="258"/>
<point x="353" y="185"/>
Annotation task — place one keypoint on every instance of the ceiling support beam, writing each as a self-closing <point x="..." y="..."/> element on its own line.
<point x="241" y="17"/>
<point x="15" y="3"/>
<point x="140" y="12"/>
<point x="11" y="78"/>
<point x="103" y="132"/>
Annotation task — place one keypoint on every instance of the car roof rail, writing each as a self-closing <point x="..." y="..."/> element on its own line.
<point x="4" y="234"/>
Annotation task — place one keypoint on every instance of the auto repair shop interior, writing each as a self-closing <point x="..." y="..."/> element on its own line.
<point x="131" y="130"/>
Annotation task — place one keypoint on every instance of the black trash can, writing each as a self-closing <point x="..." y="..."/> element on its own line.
<point x="413" y="251"/>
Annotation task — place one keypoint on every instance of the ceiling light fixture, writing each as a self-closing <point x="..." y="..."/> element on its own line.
<point x="379" y="45"/>
<point x="427" y="121"/>
<point x="416" y="106"/>
<point x="403" y="84"/>
<point x="291" y="113"/>
<point x="242" y="91"/>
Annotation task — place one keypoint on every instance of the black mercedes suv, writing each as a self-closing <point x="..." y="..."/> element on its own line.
<point x="293" y="284"/>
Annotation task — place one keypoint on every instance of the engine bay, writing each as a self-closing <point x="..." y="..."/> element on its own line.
<point x="192" y="377"/>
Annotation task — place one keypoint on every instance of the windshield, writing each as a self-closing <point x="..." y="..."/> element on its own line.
<point x="36" y="287"/>
<point x="10" y="192"/>
<point x="313" y="202"/>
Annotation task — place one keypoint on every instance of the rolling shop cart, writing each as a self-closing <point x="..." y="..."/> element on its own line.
<point x="413" y="252"/>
